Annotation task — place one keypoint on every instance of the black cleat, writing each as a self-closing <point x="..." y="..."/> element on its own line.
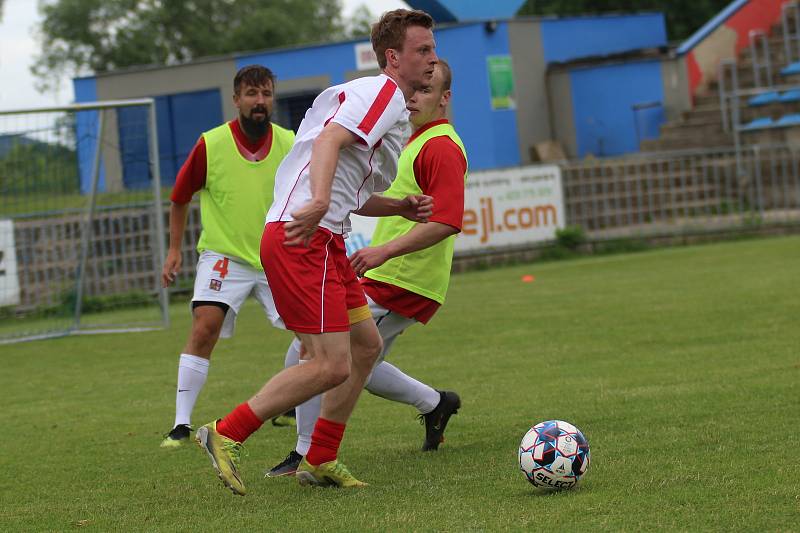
<point x="287" y="467"/>
<point x="178" y="436"/>
<point x="436" y="420"/>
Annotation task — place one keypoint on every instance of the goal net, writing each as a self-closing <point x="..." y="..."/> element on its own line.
<point x="81" y="220"/>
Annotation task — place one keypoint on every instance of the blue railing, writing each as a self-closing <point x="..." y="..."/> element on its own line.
<point x="711" y="25"/>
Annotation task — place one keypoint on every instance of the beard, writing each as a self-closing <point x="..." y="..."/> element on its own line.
<point x="252" y="127"/>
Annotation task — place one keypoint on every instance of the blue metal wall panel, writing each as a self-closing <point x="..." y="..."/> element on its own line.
<point x="603" y="100"/>
<point x="181" y="119"/>
<point x="166" y="140"/>
<point x="333" y="60"/>
<point x="133" y="147"/>
<point x="489" y="136"/>
<point x="191" y="114"/>
<point x="86" y="134"/>
<point x="567" y="39"/>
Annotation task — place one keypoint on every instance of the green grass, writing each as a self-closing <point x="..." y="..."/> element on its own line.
<point x="681" y="366"/>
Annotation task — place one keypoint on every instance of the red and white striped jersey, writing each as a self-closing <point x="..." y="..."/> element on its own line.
<point x="374" y="109"/>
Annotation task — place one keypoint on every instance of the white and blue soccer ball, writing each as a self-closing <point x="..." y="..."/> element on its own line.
<point x="554" y="455"/>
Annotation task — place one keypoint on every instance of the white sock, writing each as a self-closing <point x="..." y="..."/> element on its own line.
<point x="307" y="414"/>
<point x="293" y="353"/>
<point x="192" y="373"/>
<point x="388" y="381"/>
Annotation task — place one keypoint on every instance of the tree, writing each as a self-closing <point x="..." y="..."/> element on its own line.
<point x="28" y="166"/>
<point x="82" y="36"/>
<point x="684" y="17"/>
<point x="360" y="24"/>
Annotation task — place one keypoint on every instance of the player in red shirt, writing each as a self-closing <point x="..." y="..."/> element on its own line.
<point x="232" y="167"/>
<point x="439" y="169"/>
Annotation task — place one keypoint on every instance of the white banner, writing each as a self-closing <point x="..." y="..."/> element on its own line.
<point x="365" y="56"/>
<point x="511" y="207"/>
<point x="9" y="282"/>
<point x="507" y="207"/>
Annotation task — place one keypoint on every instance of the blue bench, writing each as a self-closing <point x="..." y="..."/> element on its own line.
<point x="789" y="120"/>
<point x="758" y="124"/>
<point x="764" y="99"/>
<point x="794" y="68"/>
<point x="790" y="96"/>
<point x="765" y="123"/>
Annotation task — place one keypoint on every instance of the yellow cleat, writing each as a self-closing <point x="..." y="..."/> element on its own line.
<point x="330" y="474"/>
<point x="224" y="453"/>
<point x="285" y="420"/>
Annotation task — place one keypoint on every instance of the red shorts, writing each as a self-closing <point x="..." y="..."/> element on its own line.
<point x="314" y="288"/>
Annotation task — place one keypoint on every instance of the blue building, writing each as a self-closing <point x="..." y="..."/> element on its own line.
<point x="516" y="83"/>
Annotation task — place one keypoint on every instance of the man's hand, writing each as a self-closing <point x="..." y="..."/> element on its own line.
<point x="306" y="220"/>
<point x="417" y="207"/>
<point x="368" y="258"/>
<point x="172" y="265"/>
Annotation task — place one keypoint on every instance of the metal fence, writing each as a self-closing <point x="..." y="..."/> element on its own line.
<point x="686" y="191"/>
<point x="79" y="242"/>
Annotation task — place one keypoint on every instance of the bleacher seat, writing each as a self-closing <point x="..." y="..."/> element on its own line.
<point x="794" y="68"/>
<point x="790" y="96"/>
<point x="789" y="120"/>
<point x="759" y="123"/>
<point x="764" y="99"/>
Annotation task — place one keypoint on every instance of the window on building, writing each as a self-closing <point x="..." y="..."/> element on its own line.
<point x="290" y="109"/>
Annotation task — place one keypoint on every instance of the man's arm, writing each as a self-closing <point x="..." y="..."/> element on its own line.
<point x="190" y="179"/>
<point x="415" y="207"/>
<point x="324" y="158"/>
<point x="420" y="237"/>
<point x="177" y="225"/>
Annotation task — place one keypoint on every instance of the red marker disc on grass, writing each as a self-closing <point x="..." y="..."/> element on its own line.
<point x="527" y="278"/>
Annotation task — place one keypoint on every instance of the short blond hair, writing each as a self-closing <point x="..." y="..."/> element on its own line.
<point x="447" y="74"/>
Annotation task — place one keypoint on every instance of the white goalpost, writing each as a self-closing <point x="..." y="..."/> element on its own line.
<point x="82" y="235"/>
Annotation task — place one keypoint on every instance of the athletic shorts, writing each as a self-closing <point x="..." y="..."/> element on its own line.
<point x="221" y="279"/>
<point x="314" y="287"/>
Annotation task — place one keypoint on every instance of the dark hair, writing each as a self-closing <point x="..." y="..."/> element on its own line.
<point x="253" y="75"/>
<point x="447" y="74"/>
<point x="390" y="30"/>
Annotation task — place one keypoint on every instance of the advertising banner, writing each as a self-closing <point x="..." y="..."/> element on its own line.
<point x="501" y="81"/>
<point x="512" y="207"/>
<point x="9" y="282"/>
<point x="502" y="208"/>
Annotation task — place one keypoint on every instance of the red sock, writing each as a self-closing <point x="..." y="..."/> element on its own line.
<point x="239" y="424"/>
<point x="325" y="441"/>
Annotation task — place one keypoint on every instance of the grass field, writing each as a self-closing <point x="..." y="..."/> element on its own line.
<point x="681" y="366"/>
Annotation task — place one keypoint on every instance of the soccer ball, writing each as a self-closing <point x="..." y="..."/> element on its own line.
<point x="554" y="455"/>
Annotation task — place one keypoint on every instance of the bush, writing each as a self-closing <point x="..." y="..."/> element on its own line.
<point x="571" y="237"/>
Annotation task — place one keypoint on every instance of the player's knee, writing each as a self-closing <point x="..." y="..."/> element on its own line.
<point x="336" y="372"/>
<point x="368" y="350"/>
<point x="204" y="334"/>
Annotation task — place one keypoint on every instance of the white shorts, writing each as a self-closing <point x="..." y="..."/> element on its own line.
<point x="390" y="325"/>
<point x="221" y="279"/>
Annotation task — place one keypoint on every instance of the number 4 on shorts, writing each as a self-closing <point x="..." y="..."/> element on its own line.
<point x="221" y="266"/>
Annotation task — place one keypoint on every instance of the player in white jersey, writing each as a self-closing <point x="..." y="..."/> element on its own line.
<point x="346" y="149"/>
